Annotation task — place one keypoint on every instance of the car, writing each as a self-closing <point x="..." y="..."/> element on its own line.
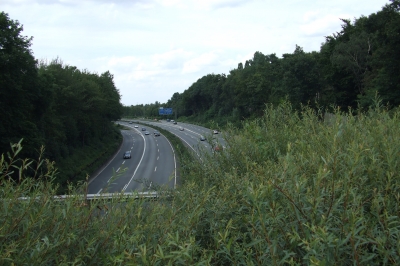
<point x="136" y="126"/>
<point x="143" y="129"/>
<point x="168" y="120"/>
<point x="127" y="155"/>
<point x="202" y="138"/>
<point x="215" y="131"/>
<point x="175" y="123"/>
<point x="147" y="133"/>
<point x="181" y="128"/>
<point x="172" y="120"/>
<point x="156" y="133"/>
<point x="131" y="122"/>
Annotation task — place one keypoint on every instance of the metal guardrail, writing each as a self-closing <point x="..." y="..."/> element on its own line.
<point x="135" y="195"/>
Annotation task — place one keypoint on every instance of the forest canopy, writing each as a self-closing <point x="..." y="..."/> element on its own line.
<point x="50" y="103"/>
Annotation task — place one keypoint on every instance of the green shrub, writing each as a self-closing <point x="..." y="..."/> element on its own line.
<point x="288" y="189"/>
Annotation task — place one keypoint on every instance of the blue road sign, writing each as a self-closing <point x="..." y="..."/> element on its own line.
<point x="165" y="111"/>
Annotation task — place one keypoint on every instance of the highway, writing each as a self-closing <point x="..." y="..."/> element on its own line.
<point x="191" y="135"/>
<point x="152" y="164"/>
<point x="153" y="161"/>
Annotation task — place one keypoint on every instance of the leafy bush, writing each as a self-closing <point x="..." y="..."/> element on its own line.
<point x="288" y="189"/>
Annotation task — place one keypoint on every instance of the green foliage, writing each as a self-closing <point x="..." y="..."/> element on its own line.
<point x="292" y="187"/>
<point x="18" y="87"/>
<point x="352" y="65"/>
<point x="55" y="105"/>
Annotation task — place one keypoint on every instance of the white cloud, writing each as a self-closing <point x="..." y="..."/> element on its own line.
<point x="196" y="64"/>
<point x="215" y="4"/>
<point x="171" y="59"/>
<point x="317" y="24"/>
<point x="155" y="48"/>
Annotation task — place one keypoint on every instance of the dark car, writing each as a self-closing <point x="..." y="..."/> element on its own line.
<point x="175" y="123"/>
<point x="202" y="138"/>
<point x="127" y="155"/>
<point x="143" y="129"/>
<point x="156" y="133"/>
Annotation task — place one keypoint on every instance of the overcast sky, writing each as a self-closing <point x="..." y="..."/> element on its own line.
<point x="155" y="48"/>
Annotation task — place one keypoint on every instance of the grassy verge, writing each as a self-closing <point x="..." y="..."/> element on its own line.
<point x="86" y="160"/>
<point x="291" y="189"/>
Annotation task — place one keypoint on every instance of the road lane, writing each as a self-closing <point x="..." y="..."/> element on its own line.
<point x="152" y="165"/>
<point x="101" y="182"/>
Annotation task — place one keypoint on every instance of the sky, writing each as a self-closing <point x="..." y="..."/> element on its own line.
<point x="155" y="48"/>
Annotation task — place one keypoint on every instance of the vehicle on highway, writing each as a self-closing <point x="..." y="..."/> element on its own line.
<point x="143" y="129"/>
<point x="168" y="120"/>
<point x="147" y="133"/>
<point x="215" y="131"/>
<point x="181" y="128"/>
<point x="131" y="122"/>
<point x="202" y="138"/>
<point x="156" y="133"/>
<point x="175" y="123"/>
<point x="172" y="120"/>
<point x="127" y="155"/>
<point x="136" y="126"/>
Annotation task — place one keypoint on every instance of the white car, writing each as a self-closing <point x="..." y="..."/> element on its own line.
<point x="136" y="126"/>
<point x="147" y="133"/>
<point x="215" y="131"/>
<point x="181" y="128"/>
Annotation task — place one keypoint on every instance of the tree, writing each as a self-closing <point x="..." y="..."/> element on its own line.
<point x="18" y="86"/>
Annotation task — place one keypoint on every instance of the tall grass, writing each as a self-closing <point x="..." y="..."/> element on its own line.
<point x="289" y="189"/>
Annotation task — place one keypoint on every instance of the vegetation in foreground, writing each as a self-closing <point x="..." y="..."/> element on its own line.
<point x="289" y="189"/>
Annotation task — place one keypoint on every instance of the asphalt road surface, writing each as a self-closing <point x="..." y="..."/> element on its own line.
<point x="153" y="164"/>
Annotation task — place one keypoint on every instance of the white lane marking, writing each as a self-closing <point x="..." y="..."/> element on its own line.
<point x="158" y="157"/>
<point x="123" y="162"/>
<point x="155" y="169"/>
<point x="173" y="151"/>
<point x="99" y="191"/>
<point x="118" y="169"/>
<point x="137" y="167"/>
<point x="158" y="150"/>
<point x="90" y="181"/>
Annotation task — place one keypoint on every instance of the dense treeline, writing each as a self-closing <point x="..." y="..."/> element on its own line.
<point x="351" y="67"/>
<point x="51" y="104"/>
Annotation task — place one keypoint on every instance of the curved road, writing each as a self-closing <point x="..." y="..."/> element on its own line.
<point x="152" y="164"/>
<point x="191" y="135"/>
